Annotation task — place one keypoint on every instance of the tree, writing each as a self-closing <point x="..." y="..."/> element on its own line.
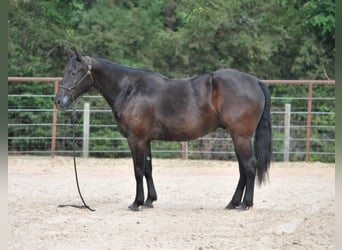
<point x="39" y="33"/>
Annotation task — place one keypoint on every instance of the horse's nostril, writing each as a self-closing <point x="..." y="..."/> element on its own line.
<point x="57" y="101"/>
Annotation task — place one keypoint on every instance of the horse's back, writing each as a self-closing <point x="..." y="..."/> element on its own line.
<point x="182" y="108"/>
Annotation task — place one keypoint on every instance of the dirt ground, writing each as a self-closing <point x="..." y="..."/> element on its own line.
<point x="295" y="209"/>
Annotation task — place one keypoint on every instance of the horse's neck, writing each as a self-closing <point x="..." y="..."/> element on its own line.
<point x="107" y="77"/>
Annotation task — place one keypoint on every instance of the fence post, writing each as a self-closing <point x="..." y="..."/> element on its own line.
<point x="308" y="123"/>
<point x="86" y="118"/>
<point x="184" y="145"/>
<point x="287" y="122"/>
<point x="54" y="123"/>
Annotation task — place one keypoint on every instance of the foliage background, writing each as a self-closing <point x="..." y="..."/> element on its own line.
<point x="274" y="39"/>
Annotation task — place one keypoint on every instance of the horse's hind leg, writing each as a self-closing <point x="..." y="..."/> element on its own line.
<point x="247" y="166"/>
<point x="152" y="194"/>
<point x="236" y="200"/>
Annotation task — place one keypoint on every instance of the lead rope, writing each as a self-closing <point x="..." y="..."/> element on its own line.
<point x="74" y="152"/>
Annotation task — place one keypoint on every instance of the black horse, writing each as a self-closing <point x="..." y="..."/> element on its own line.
<point x="149" y="106"/>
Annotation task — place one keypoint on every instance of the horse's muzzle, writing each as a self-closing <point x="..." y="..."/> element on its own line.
<point x="62" y="101"/>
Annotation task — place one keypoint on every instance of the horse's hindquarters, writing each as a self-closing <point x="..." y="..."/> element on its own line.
<point x="238" y="100"/>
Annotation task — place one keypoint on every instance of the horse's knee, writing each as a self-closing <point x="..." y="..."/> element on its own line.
<point x="139" y="173"/>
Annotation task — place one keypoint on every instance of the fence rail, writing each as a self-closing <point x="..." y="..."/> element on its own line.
<point x="185" y="149"/>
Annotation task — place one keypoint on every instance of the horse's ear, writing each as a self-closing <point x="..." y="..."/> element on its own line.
<point x="78" y="54"/>
<point x="70" y="53"/>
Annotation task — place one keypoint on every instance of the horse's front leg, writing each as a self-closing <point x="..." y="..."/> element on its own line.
<point x="138" y="148"/>
<point x="152" y="194"/>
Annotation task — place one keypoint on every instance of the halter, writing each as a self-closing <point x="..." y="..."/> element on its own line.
<point x="79" y="81"/>
<point x="73" y="129"/>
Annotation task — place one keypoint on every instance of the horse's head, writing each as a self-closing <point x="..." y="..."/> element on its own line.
<point x="77" y="80"/>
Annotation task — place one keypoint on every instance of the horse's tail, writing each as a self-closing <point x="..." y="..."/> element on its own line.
<point x="263" y="138"/>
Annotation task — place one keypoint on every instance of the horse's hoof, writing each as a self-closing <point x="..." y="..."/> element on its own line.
<point x="148" y="204"/>
<point x="232" y="205"/>
<point x="134" y="207"/>
<point x="244" y="206"/>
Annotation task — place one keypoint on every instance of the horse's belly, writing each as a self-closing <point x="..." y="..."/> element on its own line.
<point x="184" y="129"/>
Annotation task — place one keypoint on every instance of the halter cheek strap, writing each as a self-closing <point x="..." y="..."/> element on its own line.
<point x="79" y="81"/>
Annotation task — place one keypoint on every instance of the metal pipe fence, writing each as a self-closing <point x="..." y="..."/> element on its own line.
<point x="35" y="126"/>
